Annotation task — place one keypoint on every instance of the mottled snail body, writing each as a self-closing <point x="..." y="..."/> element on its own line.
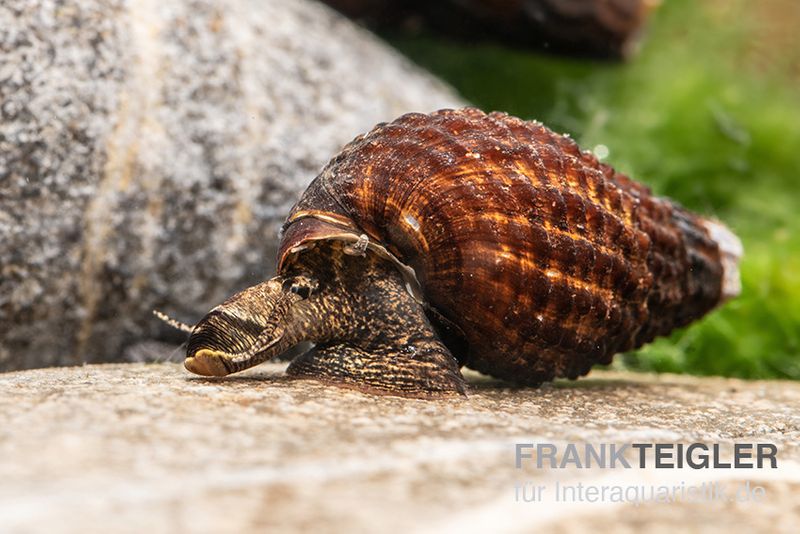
<point x="461" y="238"/>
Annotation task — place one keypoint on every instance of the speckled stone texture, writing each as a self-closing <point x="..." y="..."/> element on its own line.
<point x="150" y="150"/>
<point x="147" y="448"/>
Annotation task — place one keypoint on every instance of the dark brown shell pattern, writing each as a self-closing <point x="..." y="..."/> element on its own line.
<point x="546" y="259"/>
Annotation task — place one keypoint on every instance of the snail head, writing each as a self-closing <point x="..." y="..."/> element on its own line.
<point x="249" y="328"/>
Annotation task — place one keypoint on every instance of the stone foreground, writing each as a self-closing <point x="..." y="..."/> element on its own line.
<point x="146" y="447"/>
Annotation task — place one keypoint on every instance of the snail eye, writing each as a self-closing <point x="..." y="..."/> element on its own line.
<point x="303" y="291"/>
<point x="301" y="286"/>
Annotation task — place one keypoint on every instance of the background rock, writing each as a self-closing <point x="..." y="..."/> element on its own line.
<point x="147" y="448"/>
<point x="150" y="150"/>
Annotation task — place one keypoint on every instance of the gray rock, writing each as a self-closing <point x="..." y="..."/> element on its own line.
<point x="148" y="448"/>
<point x="150" y="150"/>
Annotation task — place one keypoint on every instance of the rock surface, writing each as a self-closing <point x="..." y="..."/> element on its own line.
<point x="150" y="150"/>
<point x="133" y="448"/>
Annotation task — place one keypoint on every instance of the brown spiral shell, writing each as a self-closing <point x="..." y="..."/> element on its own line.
<point x="545" y="259"/>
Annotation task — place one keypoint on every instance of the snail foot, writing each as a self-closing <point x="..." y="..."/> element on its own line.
<point x="424" y="370"/>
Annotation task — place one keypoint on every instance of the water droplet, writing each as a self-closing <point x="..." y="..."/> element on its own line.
<point x="600" y="151"/>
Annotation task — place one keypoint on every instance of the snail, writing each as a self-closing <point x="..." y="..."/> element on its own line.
<point x="461" y="238"/>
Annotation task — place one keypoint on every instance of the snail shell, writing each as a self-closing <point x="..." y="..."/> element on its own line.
<point x="543" y="260"/>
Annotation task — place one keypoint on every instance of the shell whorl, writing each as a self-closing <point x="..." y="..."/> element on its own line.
<point x="547" y="260"/>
